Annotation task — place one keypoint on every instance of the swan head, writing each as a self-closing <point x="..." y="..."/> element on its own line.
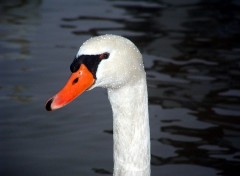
<point x="107" y="61"/>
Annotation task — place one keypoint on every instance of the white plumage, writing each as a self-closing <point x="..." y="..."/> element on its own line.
<point x="125" y="79"/>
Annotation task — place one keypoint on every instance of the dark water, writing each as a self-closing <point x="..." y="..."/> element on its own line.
<point x="192" y="56"/>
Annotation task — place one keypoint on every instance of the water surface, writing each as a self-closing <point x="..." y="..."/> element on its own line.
<point x="191" y="53"/>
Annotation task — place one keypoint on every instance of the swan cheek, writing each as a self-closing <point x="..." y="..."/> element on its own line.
<point x="78" y="82"/>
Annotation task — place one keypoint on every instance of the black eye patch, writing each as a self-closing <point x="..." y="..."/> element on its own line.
<point x="104" y="56"/>
<point x="90" y="61"/>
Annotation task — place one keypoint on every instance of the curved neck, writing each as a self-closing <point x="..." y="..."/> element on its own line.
<point x="131" y="129"/>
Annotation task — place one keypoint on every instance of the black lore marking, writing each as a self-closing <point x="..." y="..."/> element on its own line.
<point x="75" y="65"/>
<point x="90" y="61"/>
<point x="75" y="81"/>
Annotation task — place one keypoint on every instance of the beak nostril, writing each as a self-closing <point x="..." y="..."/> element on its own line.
<point x="75" y="81"/>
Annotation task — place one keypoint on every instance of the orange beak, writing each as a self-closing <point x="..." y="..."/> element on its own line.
<point x="78" y="82"/>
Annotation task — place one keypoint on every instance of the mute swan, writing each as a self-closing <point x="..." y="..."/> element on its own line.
<point x="115" y="63"/>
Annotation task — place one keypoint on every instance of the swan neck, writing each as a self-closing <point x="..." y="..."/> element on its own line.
<point x="131" y="129"/>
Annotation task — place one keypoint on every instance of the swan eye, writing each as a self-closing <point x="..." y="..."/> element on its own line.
<point x="104" y="56"/>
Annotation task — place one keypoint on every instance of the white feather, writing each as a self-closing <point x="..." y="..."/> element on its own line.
<point x="124" y="76"/>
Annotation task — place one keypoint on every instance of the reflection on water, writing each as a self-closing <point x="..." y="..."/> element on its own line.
<point x="191" y="52"/>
